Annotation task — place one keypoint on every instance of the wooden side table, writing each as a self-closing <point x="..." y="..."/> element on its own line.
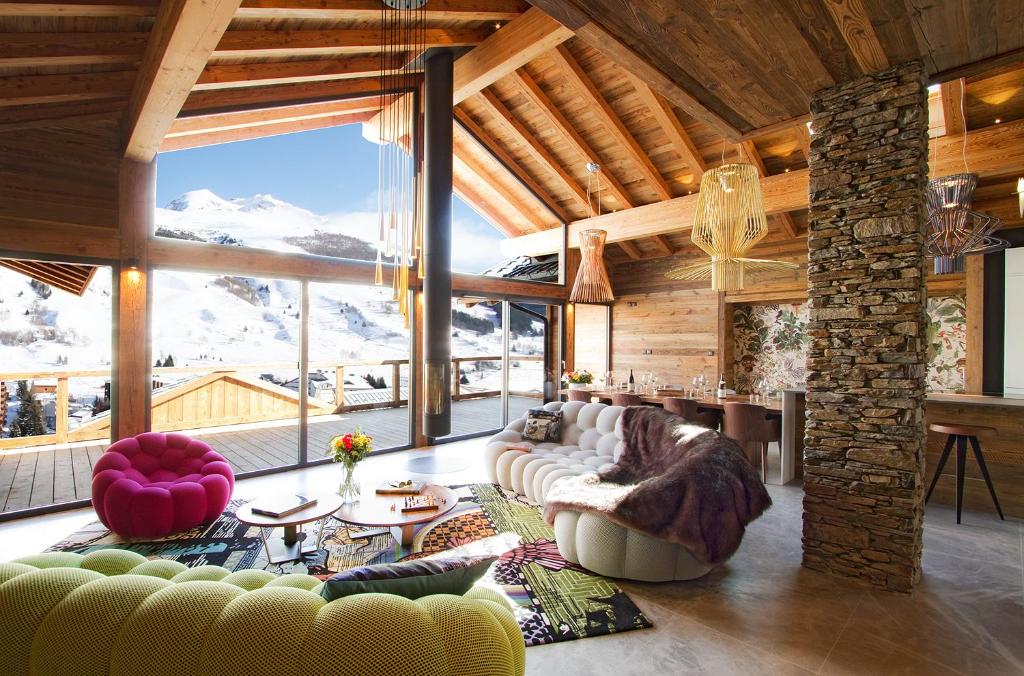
<point x="292" y="545"/>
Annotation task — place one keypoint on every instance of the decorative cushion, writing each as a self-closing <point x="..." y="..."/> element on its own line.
<point x="543" y="426"/>
<point x="411" y="579"/>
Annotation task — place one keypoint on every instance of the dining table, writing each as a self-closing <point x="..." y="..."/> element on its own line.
<point x="657" y="398"/>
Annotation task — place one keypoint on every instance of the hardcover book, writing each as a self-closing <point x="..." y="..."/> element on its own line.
<point x="282" y="506"/>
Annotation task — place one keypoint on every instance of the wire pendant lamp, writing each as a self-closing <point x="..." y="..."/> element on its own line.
<point x="400" y="186"/>
<point x="730" y="220"/>
<point x="592" y="283"/>
<point x="954" y="229"/>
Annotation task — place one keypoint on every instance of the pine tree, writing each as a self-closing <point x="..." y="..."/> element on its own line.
<point x="169" y="361"/>
<point x="30" y="421"/>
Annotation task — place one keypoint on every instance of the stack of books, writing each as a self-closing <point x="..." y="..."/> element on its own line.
<point x="404" y="487"/>
<point x="282" y="506"/>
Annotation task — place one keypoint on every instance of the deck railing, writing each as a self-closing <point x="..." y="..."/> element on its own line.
<point x="98" y="427"/>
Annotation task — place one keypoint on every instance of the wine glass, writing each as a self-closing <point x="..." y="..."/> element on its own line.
<point x="643" y="383"/>
<point x="609" y="379"/>
<point x="654" y="382"/>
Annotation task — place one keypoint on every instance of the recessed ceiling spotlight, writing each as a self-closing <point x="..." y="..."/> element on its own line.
<point x="998" y="120"/>
<point x="787" y="170"/>
<point x="497" y="25"/>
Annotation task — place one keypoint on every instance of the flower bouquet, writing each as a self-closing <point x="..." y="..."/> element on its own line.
<point x="349" y="449"/>
<point x="578" y="379"/>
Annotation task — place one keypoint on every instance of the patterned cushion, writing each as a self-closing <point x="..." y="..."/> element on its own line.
<point x="411" y="579"/>
<point x="543" y="426"/>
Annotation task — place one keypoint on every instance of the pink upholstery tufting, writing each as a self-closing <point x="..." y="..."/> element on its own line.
<point x="156" y="484"/>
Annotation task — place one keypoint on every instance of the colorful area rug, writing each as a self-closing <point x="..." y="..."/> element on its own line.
<point x="554" y="600"/>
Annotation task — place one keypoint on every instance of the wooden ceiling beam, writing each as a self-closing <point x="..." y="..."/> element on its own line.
<point x="242" y="98"/>
<point x="532" y="91"/>
<point x="664" y="245"/>
<point x="951" y="94"/>
<point x="436" y="10"/>
<point x="993" y="153"/>
<point x="516" y="44"/>
<point x="71" y="49"/>
<point x="469" y="195"/>
<point x="222" y="76"/>
<point x="540" y="154"/>
<point x="515" y="202"/>
<point x="254" y="131"/>
<point x="100" y="8"/>
<point x="509" y="163"/>
<point x="669" y="122"/>
<point x="205" y="124"/>
<point x="630" y="249"/>
<point x="264" y="43"/>
<point x="183" y="37"/>
<point x="586" y="88"/>
<point x="803" y="133"/>
<point x="855" y="25"/>
<point x="37" y="89"/>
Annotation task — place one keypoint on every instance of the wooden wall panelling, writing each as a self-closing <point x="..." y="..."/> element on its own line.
<point x="975" y="345"/>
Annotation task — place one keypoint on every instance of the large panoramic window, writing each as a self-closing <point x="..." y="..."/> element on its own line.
<point x="55" y="359"/>
<point x="226" y="364"/>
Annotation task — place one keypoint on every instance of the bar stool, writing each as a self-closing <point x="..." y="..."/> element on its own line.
<point x="750" y="424"/>
<point x="581" y="395"/>
<point x="689" y="410"/>
<point x="626" y="399"/>
<point x="960" y="435"/>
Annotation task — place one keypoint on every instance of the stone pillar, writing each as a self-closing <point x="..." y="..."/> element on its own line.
<point x="865" y="443"/>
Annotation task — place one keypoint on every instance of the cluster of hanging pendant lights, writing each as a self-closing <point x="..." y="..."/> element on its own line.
<point x="400" y="183"/>
<point x="955" y="230"/>
<point x="592" y="283"/>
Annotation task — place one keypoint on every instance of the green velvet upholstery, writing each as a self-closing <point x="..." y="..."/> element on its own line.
<point x="110" y="613"/>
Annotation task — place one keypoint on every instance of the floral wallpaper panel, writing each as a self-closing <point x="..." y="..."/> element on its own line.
<point x="771" y="345"/>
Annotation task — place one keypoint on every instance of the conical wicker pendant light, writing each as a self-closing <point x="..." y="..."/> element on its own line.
<point x="730" y="220"/>
<point x="592" y="283"/>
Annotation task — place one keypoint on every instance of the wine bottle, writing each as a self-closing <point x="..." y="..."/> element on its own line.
<point x="722" y="392"/>
<point x="632" y="382"/>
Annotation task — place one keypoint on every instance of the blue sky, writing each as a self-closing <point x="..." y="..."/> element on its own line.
<point x="326" y="171"/>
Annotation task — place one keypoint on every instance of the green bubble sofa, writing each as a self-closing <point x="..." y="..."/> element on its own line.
<point x="115" y="612"/>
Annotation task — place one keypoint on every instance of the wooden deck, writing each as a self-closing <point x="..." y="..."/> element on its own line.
<point x="45" y="476"/>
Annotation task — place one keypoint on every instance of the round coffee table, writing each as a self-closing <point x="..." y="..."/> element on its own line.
<point x="375" y="511"/>
<point x="292" y="545"/>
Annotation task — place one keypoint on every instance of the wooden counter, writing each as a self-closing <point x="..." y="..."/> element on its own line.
<point x="1004" y="452"/>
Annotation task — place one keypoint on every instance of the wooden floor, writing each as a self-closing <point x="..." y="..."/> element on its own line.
<point x="63" y="474"/>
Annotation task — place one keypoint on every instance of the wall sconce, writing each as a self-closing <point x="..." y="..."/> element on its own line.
<point x="131" y="267"/>
<point x="1020" y="196"/>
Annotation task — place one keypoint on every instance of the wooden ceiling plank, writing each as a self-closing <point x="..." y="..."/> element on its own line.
<point x="630" y="249"/>
<point x="532" y="91"/>
<point x="993" y="153"/>
<point x="221" y="76"/>
<point x="436" y="10"/>
<point x="516" y="44"/>
<point x="99" y="8"/>
<point x="595" y="36"/>
<point x="951" y="94"/>
<point x="509" y="163"/>
<point x="571" y="69"/>
<point x="36" y="89"/>
<point x="263" y="43"/>
<point x="255" y="131"/>
<point x="183" y="37"/>
<point x="69" y="49"/>
<point x="666" y="246"/>
<point x="515" y="202"/>
<point x="540" y="154"/>
<point x="855" y="25"/>
<point x="669" y="122"/>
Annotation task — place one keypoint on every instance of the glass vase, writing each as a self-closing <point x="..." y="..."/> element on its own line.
<point x="349" y="487"/>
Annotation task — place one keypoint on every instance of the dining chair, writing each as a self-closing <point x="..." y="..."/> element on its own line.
<point x="689" y="410"/>
<point x="752" y="427"/>
<point x="626" y="399"/>
<point x="581" y="395"/>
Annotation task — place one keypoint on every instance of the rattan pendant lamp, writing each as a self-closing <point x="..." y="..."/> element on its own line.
<point x="730" y="220"/>
<point x="592" y="283"/>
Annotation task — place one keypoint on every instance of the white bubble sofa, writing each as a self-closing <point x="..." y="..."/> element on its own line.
<point x="591" y="439"/>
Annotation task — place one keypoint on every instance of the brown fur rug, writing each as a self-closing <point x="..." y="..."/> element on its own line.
<point x="674" y="481"/>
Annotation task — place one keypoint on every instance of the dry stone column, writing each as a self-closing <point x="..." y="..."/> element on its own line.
<point x="865" y="443"/>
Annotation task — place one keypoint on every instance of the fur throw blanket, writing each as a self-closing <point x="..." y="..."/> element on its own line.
<point x="674" y="481"/>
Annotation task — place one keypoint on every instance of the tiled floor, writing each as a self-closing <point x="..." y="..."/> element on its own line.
<point x="762" y="612"/>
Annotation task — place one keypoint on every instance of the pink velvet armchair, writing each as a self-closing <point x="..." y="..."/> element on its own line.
<point x="156" y="484"/>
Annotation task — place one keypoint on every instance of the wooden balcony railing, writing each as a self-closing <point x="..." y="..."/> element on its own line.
<point x="225" y="395"/>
